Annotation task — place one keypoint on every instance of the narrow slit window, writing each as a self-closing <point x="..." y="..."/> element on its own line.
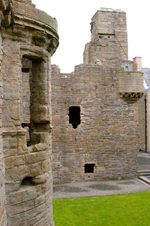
<point x="74" y="116"/>
<point x="89" y="168"/>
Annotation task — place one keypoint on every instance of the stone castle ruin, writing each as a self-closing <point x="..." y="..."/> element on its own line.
<point x="94" y="110"/>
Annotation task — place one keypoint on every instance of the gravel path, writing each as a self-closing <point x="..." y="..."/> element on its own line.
<point x="102" y="188"/>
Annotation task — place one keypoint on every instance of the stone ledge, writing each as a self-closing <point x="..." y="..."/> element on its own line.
<point x="38" y="25"/>
<point x="13" y="132"/>
<point x="28" y="12"/>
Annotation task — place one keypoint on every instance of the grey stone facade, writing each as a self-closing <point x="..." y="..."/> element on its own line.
<point x="95" y="108"/>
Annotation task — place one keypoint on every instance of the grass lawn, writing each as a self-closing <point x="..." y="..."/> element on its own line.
<point x="118" y="210"/>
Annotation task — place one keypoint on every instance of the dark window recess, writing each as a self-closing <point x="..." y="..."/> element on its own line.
<point x="25" y="70"/>
<point x="28" y="181"/>
<point x="74" y="116"/>
<point x="89" y="168"/>
<point x="25" y="125"/>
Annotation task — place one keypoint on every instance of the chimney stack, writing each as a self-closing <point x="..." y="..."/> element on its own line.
<point x="138" y="61"/>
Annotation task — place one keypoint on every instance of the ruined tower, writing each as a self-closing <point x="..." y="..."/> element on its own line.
<point x="108" y="39"/>
<point x="28" y="38"/>
<point x="95" y="108"/>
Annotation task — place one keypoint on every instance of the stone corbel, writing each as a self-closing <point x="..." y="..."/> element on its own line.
<point x="1" y="17"/>
<point x="5" y="13"/>
<point x="3" y="4"/>
<point x="39" y="39"/>
<point x="131" y="96"/>
<point x="53" y="44"/>
<point x="7" y="18"/>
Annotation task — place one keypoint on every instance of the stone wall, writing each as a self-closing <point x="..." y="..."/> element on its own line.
<point x="28" y="41"/>
<point x="107" y="135"/>
<point x="141" y="123"/>
<point x="3" y="220"/>
<point x="148" y="121"/>
<point x="95" y="108"/>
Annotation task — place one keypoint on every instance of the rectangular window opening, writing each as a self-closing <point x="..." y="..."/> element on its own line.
<point x="74" y="116"/>
<point x="89" y="168"/>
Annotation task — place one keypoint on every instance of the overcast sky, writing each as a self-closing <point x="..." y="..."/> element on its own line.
<point x="74" y="17"/>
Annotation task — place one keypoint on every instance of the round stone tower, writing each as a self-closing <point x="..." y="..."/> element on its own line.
<point x="28" y="40"/>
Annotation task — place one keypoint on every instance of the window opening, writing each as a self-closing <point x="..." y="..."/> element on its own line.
<point x="26" y="70"/>
<point x="28" y="181"/>
<point x="26" y="126"/>
<point x="74" y="116"/>
<point x="89" y="168"/>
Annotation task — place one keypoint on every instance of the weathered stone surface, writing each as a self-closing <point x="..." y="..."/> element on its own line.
<point x="105" y="92"/>
<point x="28" y="38"/>
<point x="107" y="89"/>
<point x="3" y="218"/>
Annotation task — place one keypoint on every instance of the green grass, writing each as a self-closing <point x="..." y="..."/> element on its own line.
<point x="118" y="210"/>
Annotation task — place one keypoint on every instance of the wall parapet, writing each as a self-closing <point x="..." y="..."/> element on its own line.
<point x="131" y="82"/>
<point x="28" y="12"/>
